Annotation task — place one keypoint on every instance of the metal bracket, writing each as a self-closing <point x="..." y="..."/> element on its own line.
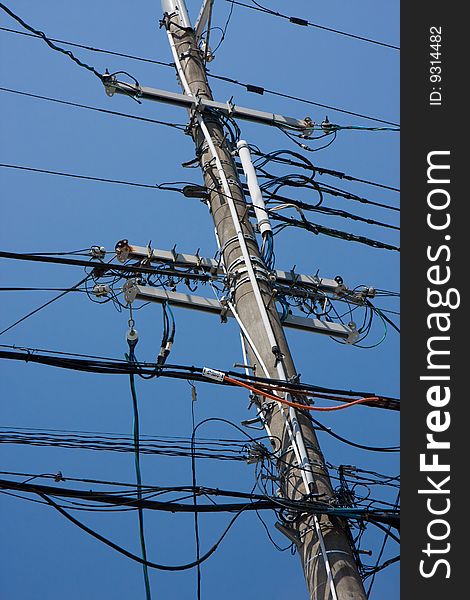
<point x="230" y="107"/>
<point x="289" y="532"/>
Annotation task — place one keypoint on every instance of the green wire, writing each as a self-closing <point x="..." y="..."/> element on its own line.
<point x="131" y="358"/>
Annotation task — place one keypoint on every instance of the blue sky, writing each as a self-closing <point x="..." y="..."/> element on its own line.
<point x="42" y="555"/>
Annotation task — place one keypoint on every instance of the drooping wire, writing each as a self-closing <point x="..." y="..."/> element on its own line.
<point x="304" y="163"/>
<point x="225" y="28"/>
<point x="134" y="557"/>
<point x="130" y="357"/>
<point x="194" y="483"/>
<point x="350" y="443"/>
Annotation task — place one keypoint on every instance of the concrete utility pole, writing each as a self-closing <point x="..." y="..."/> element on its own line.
<point x="323" y="543"/>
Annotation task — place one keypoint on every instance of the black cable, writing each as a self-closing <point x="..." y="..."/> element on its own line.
<point x="136" y="435"/>
<point x="354" y="444"/>
<point x="37" y="289"/>
<point x="331" y="211"/>
<point x="289" y="221"/>
<point x="33" y="312"/>
<point x="100" y="267"/>
<point x="334" y="191"/>
<point x="304" y="162"/>
<point x="376" y="568"/>
<point x="386" y="564"/>
<point x="316" y="229"/>
<point x="305" y="23"/>
<point x="194" y="484"/>
<point x="50" y="43"/>
<point x="248" y="87"/>
<point x="385" y="529"/>
<point x="94" y="108"/>
<point x="134" y="557"/>
<point x="75" y="176"/>
<point x="92" y="49"/>
<point x="263" y="503"/>
<point x="115" y="366"/>
<point x="224" y="30"/>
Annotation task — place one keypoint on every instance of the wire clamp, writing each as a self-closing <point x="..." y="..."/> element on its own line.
<point x="122" y="250"/>
<point x="98" y="252"/>
<point x="213" y="374"/>
<point x="225" y="309"/>
<point x="309" y="127"/>
<point x="101" y="290"/>
<point x="278" y="355"/>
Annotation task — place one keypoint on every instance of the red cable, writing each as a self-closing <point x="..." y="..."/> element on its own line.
<point x="297" y="404"/>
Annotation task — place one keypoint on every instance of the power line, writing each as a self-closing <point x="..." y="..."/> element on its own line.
<point x="86" y="177"/>
<point x="305" y="23"/>
<point x="287" y="221"/>
<point x="256" y="503"/>
<point x="316" y="228"/>
<point x="116" y="366"/>
<point x="91" y="48"/>
<point x="136" y="439"/>
<point x="38" y="289"/>
<point x="33" y="312"/>
<point x="42" y="35"/>
<point x="94" y="108"/>
<point x="306" y="163"/>
<point x="100" y="266"/>
<point x="251" y="88"/>
<point x="231" y="450"/>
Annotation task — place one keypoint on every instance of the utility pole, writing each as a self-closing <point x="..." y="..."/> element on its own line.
<point x="323" y="542"/>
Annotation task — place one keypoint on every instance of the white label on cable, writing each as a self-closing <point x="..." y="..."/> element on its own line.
<point x="213" y="374"/>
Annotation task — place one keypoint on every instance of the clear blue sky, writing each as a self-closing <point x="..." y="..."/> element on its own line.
<point x="42" y="555"/>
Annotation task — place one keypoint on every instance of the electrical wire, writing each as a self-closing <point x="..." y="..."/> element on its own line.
<point x="194" y="484"/>
<point x="132" y="556"/>
<point x="39" y="308"/>
<point x="382" y="548"/>
<point x="303" y="162"/>
<point x="136" y="434"/>
<point x="181" y="127"/>
<point x="115" y="366"/>
<point x="225" y="27"/>
<point x="101" y="267"/>
<point x="297" y="404"/>
<point x="257" y="89"/>
<point x="49" y="42"/>
<point x="316" y="229"/>
<point x="234" y="450"/>
<point x="303" y="22"/>
<point x="75" y="176"/>
<point x="354" y="444"/>
<point x="90" y="48"/>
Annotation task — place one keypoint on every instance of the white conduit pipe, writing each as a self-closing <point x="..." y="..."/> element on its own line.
<point x="253" y="186"/>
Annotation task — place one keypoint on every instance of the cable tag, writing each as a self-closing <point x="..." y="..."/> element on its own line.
<point x="213" y="374"/>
